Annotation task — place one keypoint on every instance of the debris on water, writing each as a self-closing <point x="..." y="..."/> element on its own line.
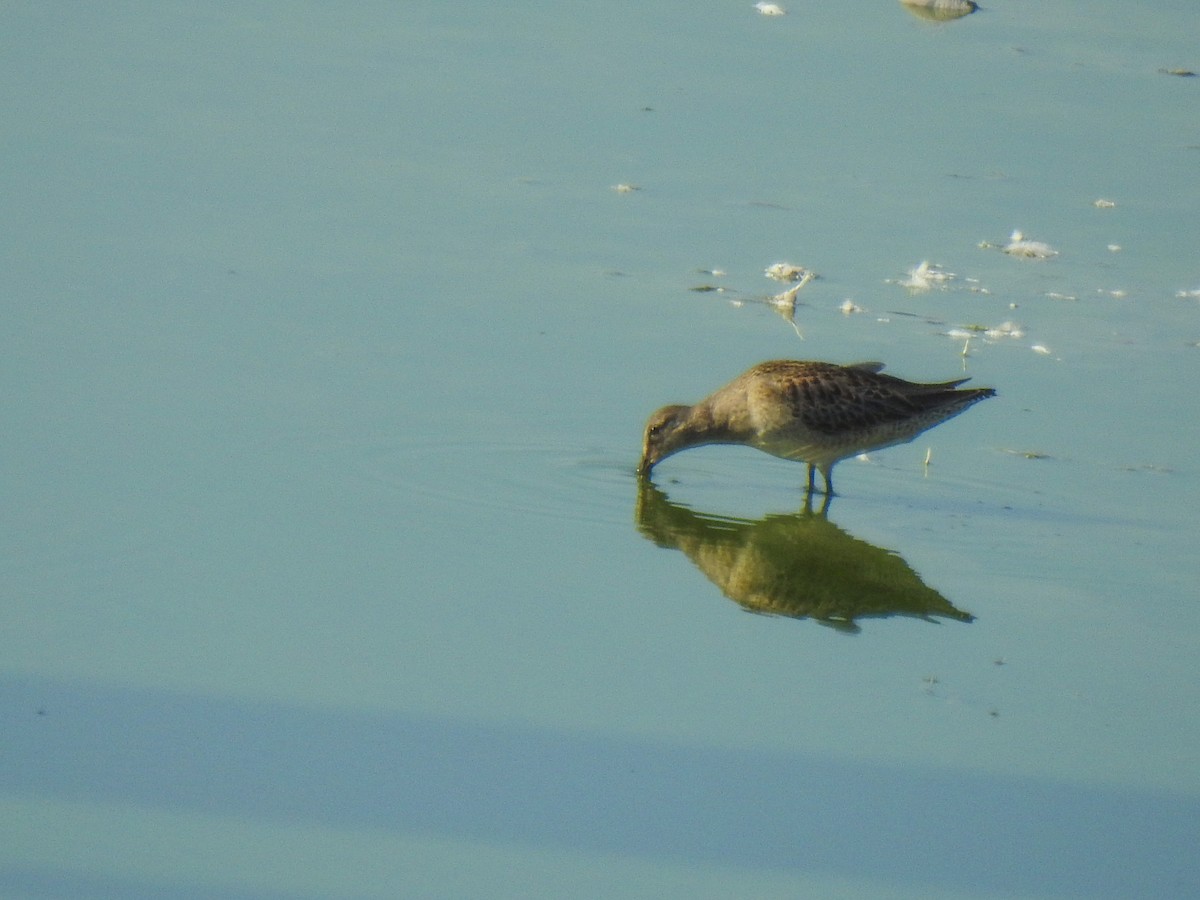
<point x="988" y="332"/>
<point x="1023" y="248"/>
<point x="625" y="188"/>
<point x="849" y="307"/>
<point x="787" y="299"/>
<point x="785" y="302"/>
<point x="1004" y="330"/>
<point x="1114" y="248"/>
<point x="1019" y="245"/>
<point x="1055" y="295"/>
<point x="925" y="276"/>
<point x="991" y="334"/>
<point x="785" y="305"/>
<point x="1103" y="204"/>
<point x="711" y="288"/>
<point x="789" y="272"/>
<point x="940" y="10"/>
<point x="1180" y="73"/>
<point x="770" y="9"/>
<point x="1153" y="468"/>
<point x="1116" y="293"/>
<point x="1188" y="294"/>
<point x="1027" y="454"/>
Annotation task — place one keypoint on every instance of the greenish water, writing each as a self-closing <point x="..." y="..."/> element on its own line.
<point x="329" y="344"/>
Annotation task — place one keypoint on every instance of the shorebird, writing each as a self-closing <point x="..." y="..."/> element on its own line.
<point x="812" y="412"/>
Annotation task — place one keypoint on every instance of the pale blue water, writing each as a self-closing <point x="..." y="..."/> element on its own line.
<point x="328" y="350"/>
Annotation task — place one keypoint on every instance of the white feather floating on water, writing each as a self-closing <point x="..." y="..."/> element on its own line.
<point x="1020" y="246"/>
<point x="785" y="303"/>
<point x="926" y="276"/>
<point x="770" y="9"/>
<point x="789" y="272"/>
<point x="787" y="299"/>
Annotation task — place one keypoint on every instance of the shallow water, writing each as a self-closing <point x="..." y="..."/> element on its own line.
<point x="329" y="348"/>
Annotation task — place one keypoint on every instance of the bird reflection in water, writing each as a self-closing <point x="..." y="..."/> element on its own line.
<point x="799" y="564"/>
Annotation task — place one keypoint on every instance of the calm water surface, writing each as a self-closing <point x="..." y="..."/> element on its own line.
<point x="329" y="343"/>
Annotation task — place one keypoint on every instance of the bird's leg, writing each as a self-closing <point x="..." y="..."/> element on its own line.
<point x="812" y="475"/>
<point x="828" y="473"/>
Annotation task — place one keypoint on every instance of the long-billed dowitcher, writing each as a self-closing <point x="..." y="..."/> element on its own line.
<point x="812" y="412"/>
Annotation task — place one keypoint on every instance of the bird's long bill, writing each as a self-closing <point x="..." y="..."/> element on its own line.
<point x="644" y="467"/>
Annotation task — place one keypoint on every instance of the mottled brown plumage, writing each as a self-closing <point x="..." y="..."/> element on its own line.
<point x="812" y="412"/>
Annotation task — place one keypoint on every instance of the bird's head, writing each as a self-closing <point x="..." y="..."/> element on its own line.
<point x="663" y="437"/>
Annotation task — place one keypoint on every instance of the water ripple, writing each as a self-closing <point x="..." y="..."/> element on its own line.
<point x="547" y="479"/>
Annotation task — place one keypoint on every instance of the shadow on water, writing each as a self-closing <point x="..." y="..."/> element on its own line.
<point x="799" y="564"/>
